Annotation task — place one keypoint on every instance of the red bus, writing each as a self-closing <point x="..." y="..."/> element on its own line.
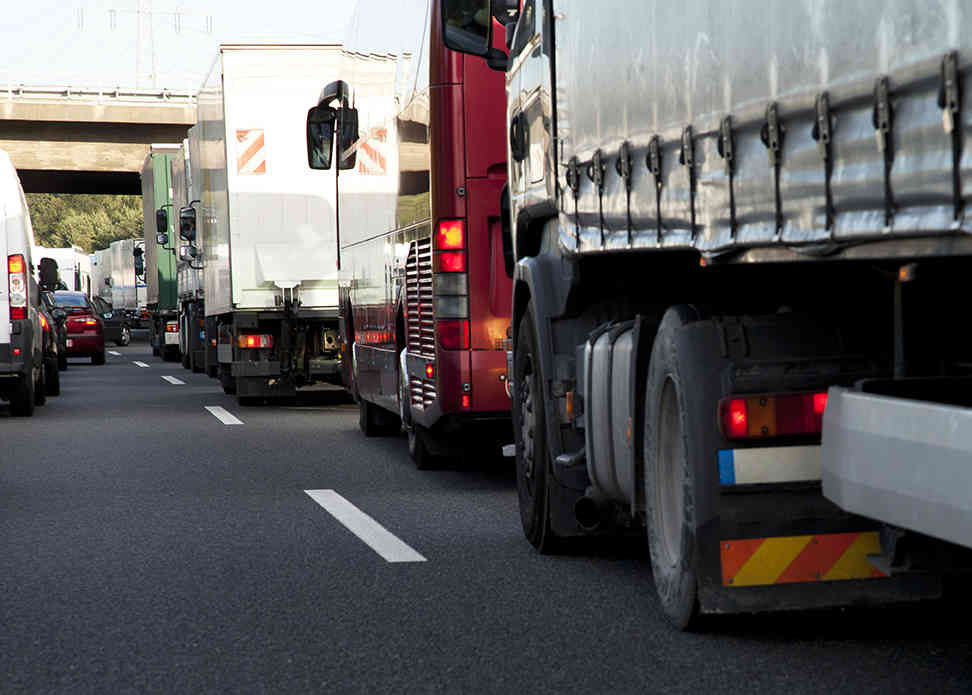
<point x="424" y="292"/>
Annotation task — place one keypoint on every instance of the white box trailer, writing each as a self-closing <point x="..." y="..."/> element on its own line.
<point x="265" y="225"/>
<point x="72" y="264"/>
<point x="100" y="272"/>
<point x="124" y="288"/>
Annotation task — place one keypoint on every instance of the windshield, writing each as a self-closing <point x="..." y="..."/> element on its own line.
<point x="71" y="300"/>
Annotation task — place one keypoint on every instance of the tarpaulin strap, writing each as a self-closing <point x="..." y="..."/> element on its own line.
<point x="595" y="172"/>
<point x="950" y="100"/>
<point x="623" y="167"/>
<point x="655" y="166"/>
<point x="822" y="128"/>
<point x="772" y="136"/>
<point x="883" y="119"/>
<point x="687" y="157"/>
<point x="727" y="150"/>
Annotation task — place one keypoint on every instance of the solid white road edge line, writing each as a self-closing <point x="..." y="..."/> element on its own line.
<point x="116" y="354"/>
<point x="371" y="533"/>
<point x="139" y="364"/>
<point x="174" y="380"/>
<point x="223" y="415"/>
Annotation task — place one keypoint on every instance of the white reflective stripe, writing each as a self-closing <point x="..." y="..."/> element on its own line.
<point x="174" y="380"/>
<point x="139" y="364"/>
<point x="780" y="464"/>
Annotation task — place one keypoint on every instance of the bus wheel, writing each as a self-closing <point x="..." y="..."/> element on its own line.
<point x="418" y="448"/>
<point x="529" y="428"/>
<point x="673" y="418"/>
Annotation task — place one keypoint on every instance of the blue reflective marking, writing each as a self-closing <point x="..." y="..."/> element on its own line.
<point x="727" y="469"/>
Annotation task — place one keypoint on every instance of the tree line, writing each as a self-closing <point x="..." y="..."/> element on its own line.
<point x="87" y="220"/>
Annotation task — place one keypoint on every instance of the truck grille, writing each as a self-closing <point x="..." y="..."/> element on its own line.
<point x="420" y="319"/>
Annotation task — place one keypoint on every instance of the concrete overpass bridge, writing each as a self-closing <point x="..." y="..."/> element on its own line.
<point x="65" y="140"/>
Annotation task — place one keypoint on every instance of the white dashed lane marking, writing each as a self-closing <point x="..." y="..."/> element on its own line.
<point x="116" y="354"/>
<point x="139" y="364"/>
<point x="223" y="415"/>
<point x="174" y="380"/>
<point x="369" y="531"/>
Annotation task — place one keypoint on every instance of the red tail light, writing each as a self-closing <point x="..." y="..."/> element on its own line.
<point x="466" y="401"/>
<point x="454" y="334"/>
<point x="772" y="415"/>
<point x="255" y="341"/>
<point x="17" y="284"/>
<point x="450" y="236"/>
<point x="452" y="262"/>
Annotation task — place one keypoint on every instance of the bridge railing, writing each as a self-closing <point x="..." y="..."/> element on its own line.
<point x="98" y="94"/>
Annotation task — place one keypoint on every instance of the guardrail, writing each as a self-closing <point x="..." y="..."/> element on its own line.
<point x="97" y="94"/>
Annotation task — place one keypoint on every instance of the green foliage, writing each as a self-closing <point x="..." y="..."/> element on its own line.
<point x="89" y="221"/>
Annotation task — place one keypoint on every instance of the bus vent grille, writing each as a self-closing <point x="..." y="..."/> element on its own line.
<point x="420" y="321"/>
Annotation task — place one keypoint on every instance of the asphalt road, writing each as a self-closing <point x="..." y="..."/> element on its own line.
<point x="147" y="547"/>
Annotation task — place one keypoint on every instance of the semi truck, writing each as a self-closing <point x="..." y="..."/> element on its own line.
<point x="738" y="234"/>
<point x="189" y="283"/>
<point x="159" y="251"/>
<point x="266" y="234"/>
<point x="423" y="289"/>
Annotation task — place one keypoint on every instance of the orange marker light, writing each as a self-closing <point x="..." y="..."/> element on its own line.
<point x="429" y="371"/>
<point x="15" y="264"/>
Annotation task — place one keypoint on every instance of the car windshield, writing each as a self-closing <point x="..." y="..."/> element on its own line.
<point x="71" y="300"/>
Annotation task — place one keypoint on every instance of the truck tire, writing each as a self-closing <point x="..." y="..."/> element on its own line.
<point x="674" y="415"/>
<point x="186" y="360"/>
<point x="22" y="397"/>
<point x="40" y="388"/>
<point x="53" y="377"/>
<point x="98" y="358"/>
<point x="170" y="353"/>
<point x="529" y="427"/>
<point x="62" y="362"/>
<point x="227" y="381"/>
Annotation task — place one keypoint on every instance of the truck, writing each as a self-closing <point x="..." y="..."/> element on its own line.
<point x="423" y="289"/>
<point x="73" y="265"/>
<point x="100" y="262"/>
<point x="735" y="232"/>
<point x="189" y="282"/>
<point x="160" y="249"/>
<point x="266" y="235"/>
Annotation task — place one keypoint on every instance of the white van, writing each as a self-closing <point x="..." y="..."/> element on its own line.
<point x="21" y="340"/>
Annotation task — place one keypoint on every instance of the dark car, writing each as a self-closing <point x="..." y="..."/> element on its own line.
<point x="85" y="329"/>
<point x="52" y="372"/>
<point x="115" y="322"/>
<point x="60" y="327"/>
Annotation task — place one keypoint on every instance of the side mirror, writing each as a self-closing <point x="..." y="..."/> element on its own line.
<point x="187" y="223"/>
<point x="162" y="239"/>
<point x="107" y="282"/>
<point x="320" y="137"/>
<point x="162" y="221"/>
<point x="467" y="27"/>
<point x="348" y="135"/>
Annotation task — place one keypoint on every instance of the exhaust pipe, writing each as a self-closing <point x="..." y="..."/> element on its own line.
<point x="589" y="512"/>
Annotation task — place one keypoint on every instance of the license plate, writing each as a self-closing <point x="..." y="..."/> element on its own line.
<point x="70" y="343"/>
<point x="171" y="338"/>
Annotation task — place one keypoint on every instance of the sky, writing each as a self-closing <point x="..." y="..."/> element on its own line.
<point x="97" y="43"/>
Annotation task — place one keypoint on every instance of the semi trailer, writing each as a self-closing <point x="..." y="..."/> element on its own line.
<point x="738" y="232"/>
<point x="160" y="249"/>
<point x="423" y="288"/>
<point x="266" y="234"/>
<point x="192" y="317"/>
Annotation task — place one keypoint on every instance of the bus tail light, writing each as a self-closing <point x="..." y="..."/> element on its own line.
<point x="255" y="341"/>
<point x="454" y="334"/>
<point x="772" y="415"/>
<point x="450" y="236"/>
<point x="452" y="262"/>
<point x="17" y="284"/>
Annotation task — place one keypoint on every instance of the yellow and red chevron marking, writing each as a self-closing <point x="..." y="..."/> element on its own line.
<point x="788" y="559"/>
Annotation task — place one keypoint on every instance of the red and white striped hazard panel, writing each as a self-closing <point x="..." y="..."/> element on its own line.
<point x="371" y="157"/>
<point x="251" y="155"/>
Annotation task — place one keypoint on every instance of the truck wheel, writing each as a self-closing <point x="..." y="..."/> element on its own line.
<point x="186" y="360"/>
<point x="672" y="447"/>
<point x="40" y="388"/>
<point x="98" y="358"/>
<point x="62" y="362"/>
<point x="529" y="427"/>
<point x="53" y="377"/>
<point x="370" y="419"/>
<point x="227" y="381"/>
<point x="22" y="397"/>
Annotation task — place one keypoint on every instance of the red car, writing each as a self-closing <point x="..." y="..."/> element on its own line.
<point x="85" y="330"/>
